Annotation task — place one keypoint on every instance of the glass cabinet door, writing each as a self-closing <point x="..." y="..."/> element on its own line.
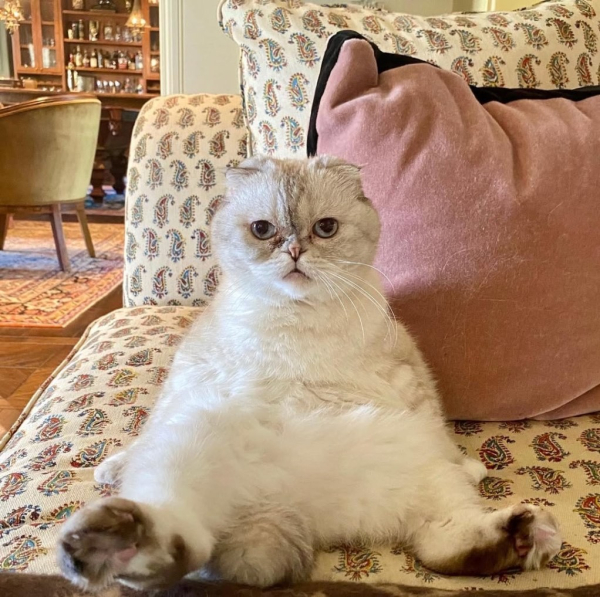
<point x="49" y="41"/>
<point x="36" y="41"/>
<point x="25" y="49"/>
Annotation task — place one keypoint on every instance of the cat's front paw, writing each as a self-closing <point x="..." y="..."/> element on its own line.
<point x="475" y="469"/>
<point x="110" y="470"/>
<point x="535" y="535"/>
<point x="114" y="540"/>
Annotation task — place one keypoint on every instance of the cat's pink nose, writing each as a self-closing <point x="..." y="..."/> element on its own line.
<point x="294" y="250"/>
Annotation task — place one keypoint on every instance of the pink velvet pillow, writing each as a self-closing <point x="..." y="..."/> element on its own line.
<point x="490" y="211"/>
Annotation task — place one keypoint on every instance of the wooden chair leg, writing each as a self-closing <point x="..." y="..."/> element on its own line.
<point x="59" y="238"/>
<point x="82" y="217"/>
<point x="4" y="224"/>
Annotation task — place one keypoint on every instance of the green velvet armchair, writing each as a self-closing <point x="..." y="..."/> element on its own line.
<point x="47" y="149"/>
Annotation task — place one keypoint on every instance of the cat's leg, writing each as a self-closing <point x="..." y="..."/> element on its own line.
<point x="110" y="470"/>
<point x="117" y="539"/>
<point x="479" y="542"/>
<point x="455" y="534"/>
<point x="475" y="470"/>
<point x="267" y="544"/>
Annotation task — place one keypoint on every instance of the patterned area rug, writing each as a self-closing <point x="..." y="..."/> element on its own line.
<point x="34" y="292"/>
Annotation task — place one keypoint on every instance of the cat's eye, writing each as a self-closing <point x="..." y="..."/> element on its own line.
<point x="326" y="227"/>
<point x="262" y="229"/>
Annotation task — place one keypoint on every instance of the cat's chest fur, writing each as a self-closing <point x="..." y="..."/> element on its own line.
<point x="299" y="358"/>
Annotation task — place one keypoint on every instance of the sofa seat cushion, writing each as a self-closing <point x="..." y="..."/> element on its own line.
<point x="98" y="400"/>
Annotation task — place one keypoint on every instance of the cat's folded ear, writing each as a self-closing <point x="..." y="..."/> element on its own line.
<point x="329" y="162"/>
<point x="235" y="175"/>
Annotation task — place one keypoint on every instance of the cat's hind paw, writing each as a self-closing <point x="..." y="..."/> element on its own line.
<point x="535" y="535"/>
<point x="114" y="540"/>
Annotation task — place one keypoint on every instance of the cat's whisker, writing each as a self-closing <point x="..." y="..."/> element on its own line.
<point x="372" y="267"/>
<point x="383" y="312"/>
<point x="362" y="327"/>
<point x="369" y="297"/>
<point x="333" y="293"/>
<point x="386" y="311"/>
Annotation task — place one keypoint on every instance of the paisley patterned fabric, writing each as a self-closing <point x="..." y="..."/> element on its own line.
<point x="95" y="403"/>
<point x="180" y="146"/>
<point x="552" y="45"/>
<point x="98" y="401"/>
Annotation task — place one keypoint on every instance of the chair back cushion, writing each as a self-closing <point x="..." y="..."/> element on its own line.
<point x="180" y="147"/>
<point x="47" y="149"/>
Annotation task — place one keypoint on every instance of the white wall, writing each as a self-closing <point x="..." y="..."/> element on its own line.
<point x="4" y="61"/>
<point x="209" y="58"/>
<point x="511" y="4"/>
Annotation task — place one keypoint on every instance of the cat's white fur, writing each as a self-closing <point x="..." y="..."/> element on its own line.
<point x="297" y="414"/>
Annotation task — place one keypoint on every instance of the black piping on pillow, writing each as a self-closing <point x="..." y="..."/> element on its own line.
<point x="387" y="61"/>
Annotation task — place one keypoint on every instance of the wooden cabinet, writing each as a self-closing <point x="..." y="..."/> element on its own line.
<point x="55" y="30"/>
<point x="37" y="43"/>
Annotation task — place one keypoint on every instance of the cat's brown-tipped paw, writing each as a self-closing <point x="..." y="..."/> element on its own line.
<point x="535" y="535"/>
<point x="99" y="541"/>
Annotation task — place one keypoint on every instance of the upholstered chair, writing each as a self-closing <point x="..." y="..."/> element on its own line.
<point x="47" y="149"/>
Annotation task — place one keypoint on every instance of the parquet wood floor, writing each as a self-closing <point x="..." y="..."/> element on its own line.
<point x="29" y="355"/>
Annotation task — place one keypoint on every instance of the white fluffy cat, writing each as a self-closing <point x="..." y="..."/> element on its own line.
<point x="297" y="414"/>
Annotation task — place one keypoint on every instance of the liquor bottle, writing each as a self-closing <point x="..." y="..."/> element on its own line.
<point x="131" y="62"/>
<point x="94" y="59"/>
<point x="114" y="63"/>
<point x="81" y="29"/>
<point x="78" y="57"/>
<point x="122" y="61"/>
<point x="100" y="59"/>
<point x="118" y="33"/>
<point x="86" y="60"/>
<point x="139" y="60"/>
<point x="94" y="29"/>
<point x="70" y="77"/>
<point x="75" y="30"/>
<point x="108" y="31"/>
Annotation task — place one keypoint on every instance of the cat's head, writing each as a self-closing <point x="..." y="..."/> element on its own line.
<point x="291" y="227"/>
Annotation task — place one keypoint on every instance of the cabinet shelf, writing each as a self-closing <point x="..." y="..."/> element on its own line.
<point x="107" y="71"/>
<point x="96" y="15"/>
<point x="39" y="72"/>
<point x="120" y="44"/>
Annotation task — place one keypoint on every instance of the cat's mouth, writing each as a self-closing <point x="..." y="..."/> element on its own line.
<point x="296" y="274"/>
